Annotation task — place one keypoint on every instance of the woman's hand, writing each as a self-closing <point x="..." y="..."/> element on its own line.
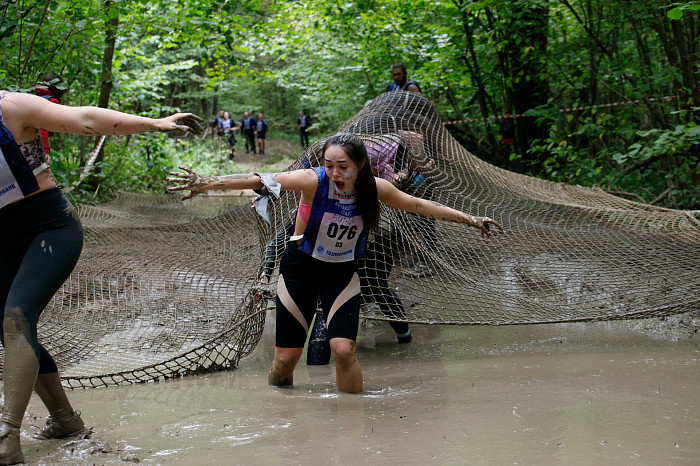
<point x="180" y="123"/>
<point x="399" y="177"/>
<point x="484" y="224"/>
<point x="193" y="182"/>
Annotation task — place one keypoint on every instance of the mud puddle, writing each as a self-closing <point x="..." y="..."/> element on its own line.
<point x="596" y="393"/>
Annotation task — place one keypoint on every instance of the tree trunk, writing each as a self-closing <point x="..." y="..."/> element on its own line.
<point x="111" y="27"/>
<point x="685" y="46"/>
<point x="528" y="70"/>
<point x="472" y="63"/>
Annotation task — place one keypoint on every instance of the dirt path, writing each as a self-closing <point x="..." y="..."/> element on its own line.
<point x="279" y="153"/>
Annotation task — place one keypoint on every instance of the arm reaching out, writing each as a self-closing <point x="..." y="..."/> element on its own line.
<point x="296" y="180"/>
<point x="392" y="197"/>
<point x="196" y="183"/>
<point x="30" y="113"/>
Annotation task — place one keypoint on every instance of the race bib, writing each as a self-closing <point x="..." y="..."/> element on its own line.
<point x="337" y="237"/>
<point x="9" y="186"/>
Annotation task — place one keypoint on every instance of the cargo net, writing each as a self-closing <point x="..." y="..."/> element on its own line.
<point x="567" y="254"/>
<point x="162" y="290"/>
<point x="165" y="289"/>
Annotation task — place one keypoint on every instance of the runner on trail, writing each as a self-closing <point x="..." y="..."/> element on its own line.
<point x="261" y="130"/>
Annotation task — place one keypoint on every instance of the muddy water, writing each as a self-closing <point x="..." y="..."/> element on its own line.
<point x="550" y="394"/>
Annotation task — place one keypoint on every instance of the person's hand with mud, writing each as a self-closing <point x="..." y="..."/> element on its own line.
<point x="196" y="183"/>
<point x="193" y="182"/>
<point x="180" y="124"/>
<point x="484" y="224"/>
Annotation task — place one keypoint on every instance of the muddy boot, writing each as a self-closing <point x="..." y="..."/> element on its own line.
<point x="10" y="448"/>
<point x="71" y="426"/>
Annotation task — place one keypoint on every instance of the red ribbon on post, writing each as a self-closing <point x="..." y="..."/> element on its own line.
<point x="563" y="110"/>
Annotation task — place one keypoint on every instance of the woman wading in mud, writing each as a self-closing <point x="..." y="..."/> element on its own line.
<point x="339" y="205"/>
<point x="40" y="242"/>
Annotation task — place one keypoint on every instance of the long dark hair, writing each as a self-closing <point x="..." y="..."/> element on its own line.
<point x="365" y="186"/>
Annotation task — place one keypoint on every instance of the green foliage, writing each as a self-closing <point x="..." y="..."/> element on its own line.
<point x="142" y="167"/>
<point x="677" y="9"/>
<point x="472" y="58"/>
<point x="617" y="157"/>
<point x="655" y="149"/>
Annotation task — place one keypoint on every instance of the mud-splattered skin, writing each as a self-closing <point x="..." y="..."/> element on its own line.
<point x="274" y="378"/>
<point x="344" y="180"/>
<point x="196" y="183"/>
<point x="186" y="123"/>
<point x="390" y="195"/>
<point x="481" y="223"/>
<point x="24" y="114"/>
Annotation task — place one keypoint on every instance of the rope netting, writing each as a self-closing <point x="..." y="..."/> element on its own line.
<point x="165" y="288"/>
<point x="162" y="289"/>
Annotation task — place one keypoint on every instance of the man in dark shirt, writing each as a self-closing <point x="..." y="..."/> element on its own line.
<point x="261" y="128"/>
<point x="303" y="123"/>
<point x="248" y="124"/>
<point x="401" y="82"/>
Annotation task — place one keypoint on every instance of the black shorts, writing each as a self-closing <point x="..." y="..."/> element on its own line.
<point x="262" y="135"/>
<point x="303" y="280"/>
<point x="230" y="138"/>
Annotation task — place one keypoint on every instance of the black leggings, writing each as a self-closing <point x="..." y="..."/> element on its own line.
<point x="304" y="137"/>
<point x="40" y="243"/>
<point x="374" y="280"/>
<point x="303" y="280"/>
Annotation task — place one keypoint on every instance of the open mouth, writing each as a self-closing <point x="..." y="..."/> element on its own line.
<point x="340" y="185"/>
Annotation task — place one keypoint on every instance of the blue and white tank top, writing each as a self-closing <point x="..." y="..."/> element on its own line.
<point x="226" y="125"/>
<point x="395" y="87"/>
<point x="19" y="165"/>
<point x="335" y="231"/>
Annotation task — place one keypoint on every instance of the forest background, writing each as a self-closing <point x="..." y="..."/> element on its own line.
<point x="475" y="60"/>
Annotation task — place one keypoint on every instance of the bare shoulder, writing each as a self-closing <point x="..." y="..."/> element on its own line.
<point x="413" y="88"/>
<point x="15" y="102"/>
<point x="298" y="180"/>
<point x="19" y="111"/>
<point x="24" y="100"/>
<point x="382" y="184"/>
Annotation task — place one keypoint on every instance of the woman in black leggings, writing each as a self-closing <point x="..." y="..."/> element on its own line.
<point x="40" y="243"/>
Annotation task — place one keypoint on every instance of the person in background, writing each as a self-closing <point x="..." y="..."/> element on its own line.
<point x="303" y="123"/>
<point x="386" y="158"/>
<point x="248" y="124"/>
<point x="261" y="131"/>
<point x="217" y="123"/>
<point x="401" y="82"/>
<point x="52" y="89"/>
<point x="228" y="127"/>
<point x="40" y="241"/>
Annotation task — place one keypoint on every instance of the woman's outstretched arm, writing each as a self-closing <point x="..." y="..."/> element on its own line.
<point x="24" y="114"/>
<point x="296" y="180"/>
<point x="391" y="196"/>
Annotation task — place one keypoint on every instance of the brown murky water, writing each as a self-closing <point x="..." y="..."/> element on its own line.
<point x="597" y="393"/>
